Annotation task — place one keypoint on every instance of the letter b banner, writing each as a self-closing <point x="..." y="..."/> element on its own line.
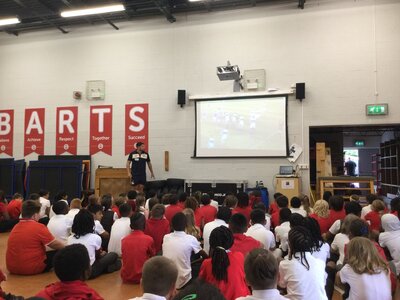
<point x="6" y="131"/>
<point x="136" y="126"/>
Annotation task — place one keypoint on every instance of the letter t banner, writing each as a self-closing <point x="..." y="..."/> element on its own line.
<point x="100" y="139"/>
<point x="34" y="131"/>
<point x="6" y="131"/>
<point x="136" y="126"/>
<point x="66" y="130"/>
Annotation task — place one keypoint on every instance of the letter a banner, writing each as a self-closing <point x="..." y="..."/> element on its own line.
<point x="136" y="126"/>
<point x="66" y="130"/>
<point x="101" y="129"/>
<point x="34" y="131"/>
<point x="6" y="131"/>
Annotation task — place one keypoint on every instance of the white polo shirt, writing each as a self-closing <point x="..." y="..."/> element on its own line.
<point x="335" y="228"/>
<point x="208" y="228"/>
<point x="261" y="234"/>
<point x="323" y="253"/>
<point x="300" y="282"/>
<point x="60" y="227"/>
<point x="271" y="294"/>
<point x="391" y="238"/>
<point x="98" y="228"/>
<point x="365" y="210"/>
<point x="52" y="213"/>
<point x="281" y="234"/>
<point x="366" y="286"/>
<point x="120" y="229"/>
<point x="299" y="211"/>
<point x="44" y="204"/>
<point x="178" y="246"/>
<point x="338" y="244"/>
<point x="72" y="213"/>
<point x="91" y="241"/>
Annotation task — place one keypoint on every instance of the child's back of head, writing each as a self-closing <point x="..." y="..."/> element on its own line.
<point x="257" y="216"/>
<point x="336" y="203"/>
<point x="179" y="222"/>
<point x="60" y="208"/>
<point x="238" y="223"/>
<point x="158" y="211"/>
<point x="295" y="202"/>
<point x="138" y="221"/>
<point x="282" y="201"/>
<point x="261" y="268"/>
<point x="378" y="205"/>
<point x="75" y="204"/>
<point x="224" y="213"/>
<point x="125" y="210"/>
<point x="284" y="215"/>
<point x="72" y="263"/>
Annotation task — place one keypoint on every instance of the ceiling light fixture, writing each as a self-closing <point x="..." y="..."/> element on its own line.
<point x="9" y="21"/>
<point x="92" y="11"/>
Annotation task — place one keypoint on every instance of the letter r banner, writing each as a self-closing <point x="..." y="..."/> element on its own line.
<point x="100" y="139"/>
<point x="66" y="130"/>
<point x="34" y="131"/>
<point x="136" y="126"/>
<point x="6" y="131"/>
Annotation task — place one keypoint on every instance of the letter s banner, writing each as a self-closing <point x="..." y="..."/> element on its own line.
<point x="34" y="131"/>
<point x="66" y="130"/>
<point x="6" y="131"/>
<point x="100" y="139"/>
<point x="136" y="126"/>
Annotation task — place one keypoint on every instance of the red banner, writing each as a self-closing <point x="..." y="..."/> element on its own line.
<point x="136" y="126"/>
<point x="101" y="129"/>
<point x="66" y="130"/>
<point x="6" y="131"/>
<point x="34" y="131"/>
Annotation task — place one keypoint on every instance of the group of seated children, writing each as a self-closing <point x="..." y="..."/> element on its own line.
<point x="180" y="245"/>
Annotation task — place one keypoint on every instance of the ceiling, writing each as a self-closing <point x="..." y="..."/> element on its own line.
<point x="45" y="14"/>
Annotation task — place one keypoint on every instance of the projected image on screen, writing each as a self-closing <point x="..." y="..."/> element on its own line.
<point x="250" y="127"/>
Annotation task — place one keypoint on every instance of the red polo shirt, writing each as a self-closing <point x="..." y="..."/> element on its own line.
<point x="157" y="229"/>
<point x="3" y="209"/>
<point x="136" y="248"/>
<point x="324" y="223"/>
<point x="244" y="244"/>
<point x="69" y="290"/>
<point x="246" y="211"/>
<point x="14" y="208"/>
<point x="115" y="209"/>
<point x="207" y="213"/>
<point x="171" y="210"/>
<point x="374" y="219"/>
<point x="235" y="286"/>
<point x="26" y="250"/>
<point x="275" y="219"/>
<point x="336" y="215"/>
<point x="273" y="207"/>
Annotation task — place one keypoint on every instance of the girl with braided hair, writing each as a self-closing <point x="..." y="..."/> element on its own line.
<point x="224" y="269"/>
<point x="300" y="273"/>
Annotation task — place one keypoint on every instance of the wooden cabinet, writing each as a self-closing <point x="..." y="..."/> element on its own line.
<point x="288" y="186"/>
<point x="112" y="181"/>
<point x="390" y="165"/>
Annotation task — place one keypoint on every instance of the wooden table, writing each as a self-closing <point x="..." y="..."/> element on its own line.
<point x="332" y="180"/>
<point x="111" y="181"/>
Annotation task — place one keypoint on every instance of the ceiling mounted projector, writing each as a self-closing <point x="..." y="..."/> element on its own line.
<point x="228" y="72"/>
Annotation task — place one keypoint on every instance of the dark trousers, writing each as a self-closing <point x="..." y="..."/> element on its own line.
<point x="49" y="260"/>
<point x="107" y="264"/>
<point x="7" y="225"/>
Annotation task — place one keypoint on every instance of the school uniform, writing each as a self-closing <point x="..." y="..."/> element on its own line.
<point x="14" y="208"/>
<point x="323" y="253"/>
<point x="264" y="236"/>
<point x="366" y="286"/>
<point x="52" y="213"/>
<point x="207" y="214"/>
<point x="244" y="244"/>
<point x="171" y="210"/>
<point x="157" y="229"/>
<point x="236" y="285"/>
<point x="365" y="210"/>
<point x="136" y="248"/>
<point x="76" y="289"/>
<point x="273" y="207"/>
<point x="26" y="253"/>
<point x="335" y="228"/>
<point x="336" y="215"/>
<point x="391" y="238"/>
<point x="374" y="220"/>
<point x="270" y="294"/>
<point x="246" y="211"/>
<point x="282" y="234"/>
<point x="120" y="229"/>
<point x="338" y="245"/>
<point x="72" y="213"/>
<point x="98" y="228"/>
<point x="299" y="211"/>
<point x="148" y="296"/>
<point x="6" y="225"/>
<point x="300" y="282"/>
<point x="324" y="223"/>
<point x="44" y="204"/>
<point x="208" y="228"/>
<point x="60" y="227"/>
<point x="178" y="246"/>
<point x="275" y="219"/>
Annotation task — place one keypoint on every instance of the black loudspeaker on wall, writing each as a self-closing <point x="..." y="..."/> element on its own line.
<point x="300" y="91"/>
<point x="181" y="97"/>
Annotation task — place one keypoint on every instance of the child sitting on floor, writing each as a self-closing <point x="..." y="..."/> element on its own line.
<point x="72" y="267"/>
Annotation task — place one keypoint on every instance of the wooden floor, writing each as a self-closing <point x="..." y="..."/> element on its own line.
<point x="109" y="286"/>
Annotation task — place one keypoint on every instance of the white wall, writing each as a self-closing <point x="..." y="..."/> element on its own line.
<point x="332" y="45"/>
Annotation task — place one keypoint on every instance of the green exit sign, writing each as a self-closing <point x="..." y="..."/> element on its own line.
<point x="359" y="143"/>
<point x="377" y="109"/>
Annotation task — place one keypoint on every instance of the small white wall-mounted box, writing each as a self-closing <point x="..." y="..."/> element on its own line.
<point x="95" y="90"/>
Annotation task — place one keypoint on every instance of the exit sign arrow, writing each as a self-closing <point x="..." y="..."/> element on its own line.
<point x="377" y="109"/>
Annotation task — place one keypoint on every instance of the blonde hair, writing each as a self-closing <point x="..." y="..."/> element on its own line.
<point x="230" y="201"/>
<point x="345" y="227"/>
<point x="75" y="203"/>
<point x="363" y="257"/>
<point x="321" y="209"/>
<point x="378" y="205"/>
<point x="190" y="224"/>
<point x="305" y="201"/>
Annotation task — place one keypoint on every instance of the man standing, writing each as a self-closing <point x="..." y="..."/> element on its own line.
<point x="350" y="167"/>
<point x="136" y="166"/>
